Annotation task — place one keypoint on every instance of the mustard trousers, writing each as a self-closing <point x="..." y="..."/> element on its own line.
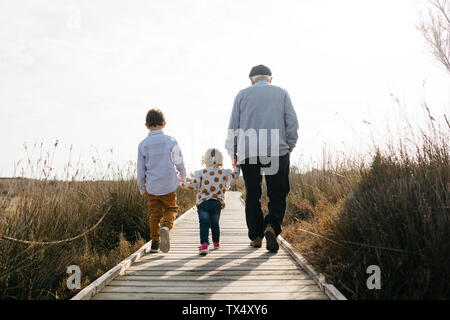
<point x="163" y="211"/>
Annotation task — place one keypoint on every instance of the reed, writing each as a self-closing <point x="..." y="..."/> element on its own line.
<point x="392" y="211"/>
<point x="46" y="209"/>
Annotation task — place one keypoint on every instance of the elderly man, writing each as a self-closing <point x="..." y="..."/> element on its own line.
<point x="262" y="133"/>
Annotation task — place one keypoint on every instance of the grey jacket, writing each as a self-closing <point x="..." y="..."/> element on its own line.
<point x="262" y="106"/>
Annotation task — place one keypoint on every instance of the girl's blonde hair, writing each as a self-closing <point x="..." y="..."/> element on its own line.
<point x="212" y="156"/>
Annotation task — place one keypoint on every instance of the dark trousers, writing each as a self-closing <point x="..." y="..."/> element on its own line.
<point x="277" y="191"/>
<point x="208" y="217"/>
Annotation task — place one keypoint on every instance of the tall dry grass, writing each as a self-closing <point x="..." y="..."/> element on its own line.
<point x="392" y="212"/>
<point x="46" y="209"/>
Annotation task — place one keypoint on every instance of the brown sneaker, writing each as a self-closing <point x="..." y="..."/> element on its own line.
<point x="271" y="239"/>
<point x="256" y="243"/>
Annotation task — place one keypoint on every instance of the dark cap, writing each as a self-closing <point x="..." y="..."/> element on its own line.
<point x="260" y="70"/>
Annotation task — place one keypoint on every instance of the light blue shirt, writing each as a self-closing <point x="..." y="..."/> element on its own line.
<point x="159" y="159"/>
<point x="263" y="106"/>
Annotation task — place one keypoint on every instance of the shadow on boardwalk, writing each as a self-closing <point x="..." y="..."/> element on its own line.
<point x="172" y="272"/>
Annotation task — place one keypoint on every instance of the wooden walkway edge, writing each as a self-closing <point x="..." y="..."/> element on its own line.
<point x="234" y="272"/>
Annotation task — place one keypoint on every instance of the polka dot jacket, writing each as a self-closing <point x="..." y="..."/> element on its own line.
<point x="211" y="183"/>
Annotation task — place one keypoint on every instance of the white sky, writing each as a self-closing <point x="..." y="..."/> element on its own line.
<point x="86" y="72"/>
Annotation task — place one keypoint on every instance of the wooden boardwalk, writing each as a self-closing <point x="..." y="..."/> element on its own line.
<point x="234" y="272"/>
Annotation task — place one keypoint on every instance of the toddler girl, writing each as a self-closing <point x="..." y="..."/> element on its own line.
<point x="211" y="184"/>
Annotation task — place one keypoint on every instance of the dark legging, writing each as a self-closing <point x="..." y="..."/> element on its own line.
<point x="208" y="216"/>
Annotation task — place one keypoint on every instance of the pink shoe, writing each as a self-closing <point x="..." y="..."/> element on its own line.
<point x="216" y="245"/>
<point x="203" y="249"/>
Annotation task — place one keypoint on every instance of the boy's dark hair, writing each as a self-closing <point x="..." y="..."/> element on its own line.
<point x="155" y="117"/>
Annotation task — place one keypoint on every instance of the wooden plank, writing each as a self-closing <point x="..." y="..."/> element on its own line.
<point x="215" y="267"/>
<point x="211" y="289"/>
<point x="176" y="264"/>
<point x="195" y="258"/>
<point x="241" y="251"/>
<point x="211" y="273"/>
<point x="125" y="282"/>
<point x="223" y="237"/>
<point x="188" y="250"/>
<point x="223" y="224"/>
<point x="212" y="256"/>
<point x="195" y="227"/>
<point x="195" y="231"/>
<point x="193" y="249"/>
<point x="231" y="250"/>
<point x="196" y="238"/>
<point x="218" y="261"/>
<point x="234" y="238"/>
<point x="225" y="244"/>
<point x="242" y="244"/>
<point x="239" y="247"/>
<point x="213" y="296"/>
<point x="223" y="234"/>
<point x="216" y="277"/>
<point x="196" y="242"/>
<point x="229" y="243"/>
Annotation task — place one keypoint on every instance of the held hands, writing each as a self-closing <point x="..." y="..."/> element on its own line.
<point x="181" y="180"/>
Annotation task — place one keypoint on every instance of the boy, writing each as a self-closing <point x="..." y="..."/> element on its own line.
<point x="158" y="156"/>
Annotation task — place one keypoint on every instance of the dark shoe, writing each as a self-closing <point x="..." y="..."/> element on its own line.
<point x="155" y="247"/>
<point x="271" y="239"/>
<point x="165" y="239"/>
<point x="257" y="243"/>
